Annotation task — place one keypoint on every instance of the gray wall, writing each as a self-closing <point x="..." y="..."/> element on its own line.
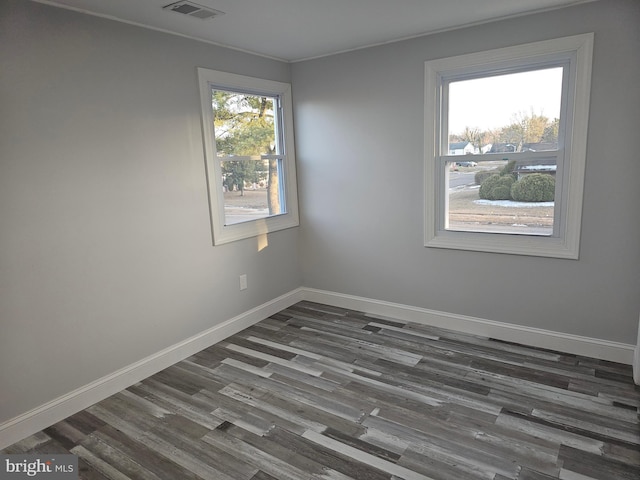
<point x="105" y="245"/>
<point x="105" y="241"/>
<point x="359" y="119"/>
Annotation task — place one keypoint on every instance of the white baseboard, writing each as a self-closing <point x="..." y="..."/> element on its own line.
<point x="60" y="408"/>
<point x="535" y="337"/>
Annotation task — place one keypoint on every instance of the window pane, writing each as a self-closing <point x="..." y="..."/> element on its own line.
<point x="482" y="196"/>
<point x="517" y="112"/>
<point x="244" y="124"/>
<point x="251" y="190"/>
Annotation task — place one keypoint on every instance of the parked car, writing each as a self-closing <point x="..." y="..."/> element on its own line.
<point x="467" y="164"/>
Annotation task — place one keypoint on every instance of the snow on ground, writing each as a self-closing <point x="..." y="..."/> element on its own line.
<point x="513" y="204"/>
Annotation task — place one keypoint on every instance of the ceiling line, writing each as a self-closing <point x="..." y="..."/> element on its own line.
<point x="52" y="3"/>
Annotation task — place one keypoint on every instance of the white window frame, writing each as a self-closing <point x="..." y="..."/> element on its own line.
<point x="214" y="79"/>
<point x="576" y="53"/>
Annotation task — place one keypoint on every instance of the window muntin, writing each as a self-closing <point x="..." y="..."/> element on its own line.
<point x="248" y="133"/>
<point x="570" y="58"/>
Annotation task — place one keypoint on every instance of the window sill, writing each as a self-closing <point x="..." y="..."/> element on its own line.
<point x="512" y="244"/>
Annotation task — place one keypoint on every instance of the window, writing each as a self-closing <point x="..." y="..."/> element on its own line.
<point x="505" y="148"/>
<point x="248" y="136"/>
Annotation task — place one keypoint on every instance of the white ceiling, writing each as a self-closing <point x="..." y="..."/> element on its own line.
<point x="294" y="30"/>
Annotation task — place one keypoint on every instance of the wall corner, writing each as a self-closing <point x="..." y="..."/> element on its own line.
<point x="636" y="359"/>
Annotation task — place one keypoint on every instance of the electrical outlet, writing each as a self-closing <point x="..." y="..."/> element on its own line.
<point x="243" y="281"/>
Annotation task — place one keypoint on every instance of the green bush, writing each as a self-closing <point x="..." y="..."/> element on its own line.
<point x="501" y="192"/>
<point x="496" y="187"/>
<point x="509" y="168"/>
<point x="482" y="175"/>
<point x="537" y="187"/>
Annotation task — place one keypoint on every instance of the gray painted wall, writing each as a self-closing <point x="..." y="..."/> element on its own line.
<point x="359" y="119"/>
<point x="105" y="241"/>
<point x="105" y="245"/>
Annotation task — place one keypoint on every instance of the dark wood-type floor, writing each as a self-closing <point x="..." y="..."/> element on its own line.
<point x="317" y="392"/>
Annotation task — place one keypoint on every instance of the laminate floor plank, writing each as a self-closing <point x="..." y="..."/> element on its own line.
<point x="595" y="466"/>
<point x="283" y="458"/>
<point x="317" y="392"/>
<point x="147" y="457"/>
<point x="339" y="460"/>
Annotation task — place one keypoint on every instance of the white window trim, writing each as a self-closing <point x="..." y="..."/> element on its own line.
<point x="222" y="233"/>
<point x="565" y="242"/>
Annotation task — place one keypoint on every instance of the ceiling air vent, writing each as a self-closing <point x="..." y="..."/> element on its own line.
<point x="193" y="10"/>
